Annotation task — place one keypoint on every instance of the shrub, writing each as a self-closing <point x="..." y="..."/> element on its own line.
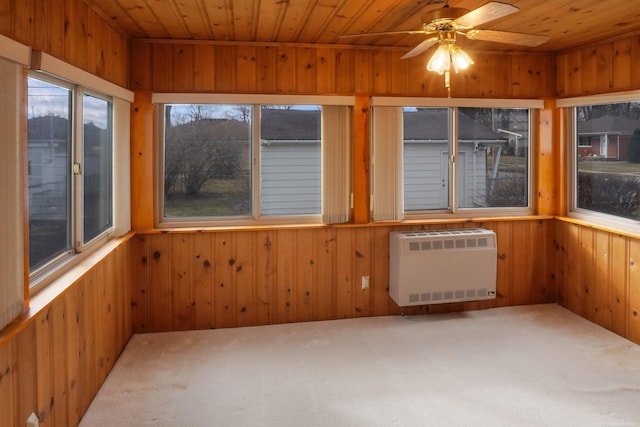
<point x="633" y="150"/>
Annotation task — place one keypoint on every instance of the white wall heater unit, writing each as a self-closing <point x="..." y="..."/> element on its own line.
<point x="439" y="266"/>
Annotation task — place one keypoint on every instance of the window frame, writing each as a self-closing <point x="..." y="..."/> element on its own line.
<point x="160" y="100"/>
<point x="453" y="104"/>
<point x="613" y="222"/>
<point x="42" y="275"/>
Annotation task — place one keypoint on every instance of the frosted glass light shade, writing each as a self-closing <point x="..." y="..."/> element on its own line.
<point x="460" y="59"/>
<point x="441" y="59"/>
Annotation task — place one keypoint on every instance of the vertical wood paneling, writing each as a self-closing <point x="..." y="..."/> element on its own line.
<point x="382" y="304"/>
<point x="224" y="296"/>
<point x="70" y="31"/>
<point x="8" y="376"/>
<point x="259" y="277"/>
<point x="181" y="292"/>
<point x="226" y="64"/>
<point x="345" y="253"/>
<point x="160" y="313"/>
<point x="619" y="282"/>
<point x="602" y="285"/>
<point x="361" y="160"/>
<point x="60" y="416"/>
<point x="183" y="58"/>
<point x="504" y="284"/>
<point x="246" y="68"/>
<point x="204" y="68"/>
<point x="306" y="81"/>
<point x="305" y="276"/>
<point x="325" y="296"/>
<point x="602" y="68"/>
<point x="244" y="271"/>
<point x="266" y="72"/>
<point x="167" y="67"/>
<point x="265" y="284"/>
<point x="139" y="284"/>
<point x="326" y="70"/>
<point x="286" y="250"/>
<point x="596" y="271"/>
<point x="285" y="66"/>
<point x="25" y="381"/>
<point x="44" y="371"/>
<point x="72" y="318"/>
<point x="634" y="290"/>
<point x="142" y="164"/>
<point x="362" y="247"/>
<point x="587" y="285"/>
<point x="203" y="280"/>
<point x="56" y="362"/>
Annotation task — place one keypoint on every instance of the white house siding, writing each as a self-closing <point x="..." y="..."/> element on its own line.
<point x="423" y="174"/>
<point x="48" y="186"/>
<point x="291" y="178"/>
<point x="426" y="166"/>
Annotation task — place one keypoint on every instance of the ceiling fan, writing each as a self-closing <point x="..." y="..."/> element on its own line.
<point x="446" y="23"/>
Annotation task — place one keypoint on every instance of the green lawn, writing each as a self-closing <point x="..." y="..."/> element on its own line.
<point x="219" y="197"/>
<point x="609" y="166"/>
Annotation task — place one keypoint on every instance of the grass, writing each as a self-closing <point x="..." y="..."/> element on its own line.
<point x="609" y="166"/>
<point x="219" y="197"/>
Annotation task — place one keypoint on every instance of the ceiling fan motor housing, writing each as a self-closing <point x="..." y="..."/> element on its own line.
<point x="444" y="14"/>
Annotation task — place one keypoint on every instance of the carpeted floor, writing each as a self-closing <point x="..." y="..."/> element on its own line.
<point x="517" y="366"/>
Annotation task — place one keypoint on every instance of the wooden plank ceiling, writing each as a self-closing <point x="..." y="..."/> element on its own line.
<point x="568" y="24"/>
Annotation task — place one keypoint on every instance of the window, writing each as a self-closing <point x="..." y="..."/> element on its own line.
<point x="490" y="168"/>
<point x="69" y="170"/>
<point x="493" y="158"/>
<point x="254" y="162"/>
<point x="606" y="173"/>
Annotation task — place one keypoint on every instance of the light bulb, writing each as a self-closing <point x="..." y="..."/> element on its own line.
<point x="440" y="61"/>
<point x="460" y="59"/>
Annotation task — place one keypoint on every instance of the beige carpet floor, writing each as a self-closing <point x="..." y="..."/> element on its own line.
<point x="535" y="365"/>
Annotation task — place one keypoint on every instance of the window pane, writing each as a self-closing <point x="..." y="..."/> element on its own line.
<point x="97" y="169"/>
<point x="426" y="158"/>
<point x="608" y="159"/>
<point x="290" y="165"/>
<point x="493" y="157"/>
<point x="207" y="160"/>
<point x="49" y="145"/>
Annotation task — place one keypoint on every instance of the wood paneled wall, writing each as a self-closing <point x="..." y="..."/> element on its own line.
<point x="55" y="364"/>
<point x="601" y="68"/>
<point x="244" y="68"/>
<point x="71" y="31"/>
<point x="219" y="279"/>
<point x="598" y="276"/>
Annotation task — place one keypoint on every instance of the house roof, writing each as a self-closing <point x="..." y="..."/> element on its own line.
<point x="430" y="124"/>
<point x="608" y="124"/>
<point x="420" y="125"/>
<point x="290" y="125"/>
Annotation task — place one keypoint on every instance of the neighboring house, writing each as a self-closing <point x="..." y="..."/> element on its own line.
<point x="606" y="137"/>
<point x="291" y="167"/>
<point x="426" y="160"/>
<point x="49" y="161"/>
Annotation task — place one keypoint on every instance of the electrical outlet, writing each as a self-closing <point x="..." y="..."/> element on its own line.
<point x="33" y="420"/>
<point x="365" y="282"/>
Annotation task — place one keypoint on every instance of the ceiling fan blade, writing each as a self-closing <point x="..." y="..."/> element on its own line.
<point x="488" y="12"/>
<point x="507" y="37"/>
<point x="420" y="48"/>
<point x="384" y="33"/>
